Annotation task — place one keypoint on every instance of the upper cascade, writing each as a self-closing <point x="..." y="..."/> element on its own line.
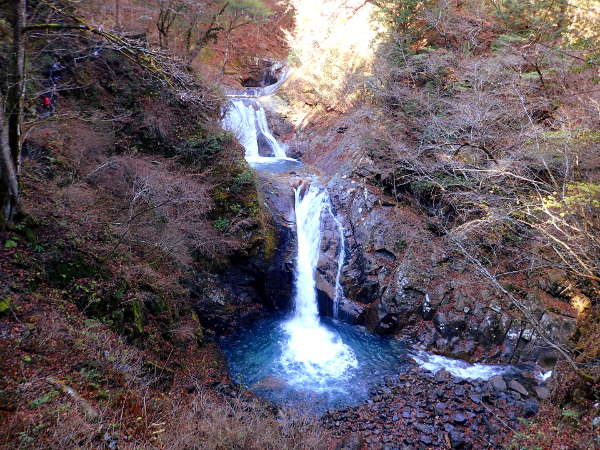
<point x="257" y="92"/>
<point x="246" y="118"/>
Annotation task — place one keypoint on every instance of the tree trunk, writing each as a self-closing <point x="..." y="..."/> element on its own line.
<point x="9" y="185"/>
<point x="118" y="14"/>
<point x="11" y="117"/>
<point x="16" y="82"/>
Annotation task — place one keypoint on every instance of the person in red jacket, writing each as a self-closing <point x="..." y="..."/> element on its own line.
<point x="47" y="106"/>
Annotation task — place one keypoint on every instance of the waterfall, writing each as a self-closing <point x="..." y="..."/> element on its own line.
<point x="247" y="120"/>
<point x="300" y="357"/>
<point x="312" y="353"/>
<point x="308" y="225"/>
<point x="339" y="291"/>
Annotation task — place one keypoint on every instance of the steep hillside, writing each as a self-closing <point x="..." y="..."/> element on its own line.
<point x="136" y="206"/>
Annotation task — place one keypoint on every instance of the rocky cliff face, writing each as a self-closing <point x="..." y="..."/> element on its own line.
<point x="253" y="284"/>
<point x="401" y="275"/>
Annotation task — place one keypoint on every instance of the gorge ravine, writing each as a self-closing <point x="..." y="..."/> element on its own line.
<point x="309" y="346"/>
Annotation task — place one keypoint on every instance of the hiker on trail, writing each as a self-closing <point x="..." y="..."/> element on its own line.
<point x="47" y="106"/>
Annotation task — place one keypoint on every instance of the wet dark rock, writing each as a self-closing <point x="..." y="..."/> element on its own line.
<point x="350" y="312"/>
<point x="497" y="383"/>
<point x="490" y="330"/>
<point x="427" y="309"/>
<point x="449" y="324"/>
<point x="425" y="439"/>
<point x="518" y="387"/>
<point x="463" y="349"/>
<point x="457" y="439"/>
<point x="227" y="301"/>
<point x="531" y="408"/>
<point x="261" y="72"/>
<point x="459" y="418"/>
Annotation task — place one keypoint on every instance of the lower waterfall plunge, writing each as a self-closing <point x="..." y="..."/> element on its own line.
<point x="318" y="351"/>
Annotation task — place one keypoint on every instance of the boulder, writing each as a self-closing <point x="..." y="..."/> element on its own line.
<point x="449" y="323"/>
<point x="542" y="392"/>
<point x="459" y="419"/>
<point x="518" y="387"/>
<point x="497" y="383"/>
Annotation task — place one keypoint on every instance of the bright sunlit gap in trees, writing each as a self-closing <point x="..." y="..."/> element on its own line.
<point x="331" y="49"/>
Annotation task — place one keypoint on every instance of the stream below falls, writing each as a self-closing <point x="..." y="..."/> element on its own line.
<point x="313" y="363"/>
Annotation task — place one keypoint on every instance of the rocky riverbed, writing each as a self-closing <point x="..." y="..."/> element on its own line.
<point x="422" y="410"/>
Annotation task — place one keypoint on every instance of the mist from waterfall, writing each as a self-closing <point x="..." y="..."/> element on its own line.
<point x="312" y="352"/>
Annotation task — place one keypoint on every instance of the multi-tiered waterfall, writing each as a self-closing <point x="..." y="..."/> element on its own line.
<point x="311" y="353"/>
<point x="246" y="118"/>
<point x="302" y="357"/>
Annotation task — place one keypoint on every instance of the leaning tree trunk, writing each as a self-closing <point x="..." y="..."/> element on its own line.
<point x="11" y="117"/>
<point x="9" y="185"/>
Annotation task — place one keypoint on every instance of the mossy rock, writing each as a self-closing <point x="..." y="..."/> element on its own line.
<point x="199" y="335"/>
<point x="61" y="272"/>
<point x="4" y="306"/>
<point x="138" y="317"/>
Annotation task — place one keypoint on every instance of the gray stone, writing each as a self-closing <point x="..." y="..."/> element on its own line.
<point x="497" y="383"/>
<point x="423" y="428"/>
<point x="542" y="392"/>
<point x="443" y="375"/>
<point x="518" y="387"/>
<point x="440" y="408"/>
<point x="459" y="418"/>
<point x="425" y="439"/>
